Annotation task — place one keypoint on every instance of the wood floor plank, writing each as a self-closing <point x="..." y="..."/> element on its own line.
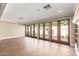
<point x="26" y="46"/>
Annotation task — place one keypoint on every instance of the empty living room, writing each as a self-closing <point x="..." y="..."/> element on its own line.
<point x="39" y="29"/>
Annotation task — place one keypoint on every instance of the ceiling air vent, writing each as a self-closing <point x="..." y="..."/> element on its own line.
<point x="47" y="7"/>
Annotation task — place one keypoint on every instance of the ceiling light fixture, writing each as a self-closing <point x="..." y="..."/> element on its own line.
<point x="60" y="11"/>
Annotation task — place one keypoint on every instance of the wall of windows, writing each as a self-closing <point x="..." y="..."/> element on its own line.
<point x="53" y="31"/>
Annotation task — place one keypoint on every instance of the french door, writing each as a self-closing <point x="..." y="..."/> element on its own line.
<point x="29" y="30"/>
<point x="47" y="31"/>
<point x="36" y="30"/>
<point x="60" y="31"/>
<point x="54" y="30"/>
<point x="64" y="31"/>
<point x="41" y="31"/>
<point x="32" y="30"/>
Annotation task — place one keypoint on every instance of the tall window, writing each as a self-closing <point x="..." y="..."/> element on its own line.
<point x="54" y="30"/>
<point x="47" y="30"/>
<point x="64" y="30"/>
<point x="32" y="30"/>
<point x="26" y="31"/>
<point x="36" y="30"/>
<point x="29" y="30"/>
<point x="41" y="30"/>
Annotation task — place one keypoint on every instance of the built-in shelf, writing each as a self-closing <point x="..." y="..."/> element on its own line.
<point x="76" y="39"/>
<point x="76" y="32"/>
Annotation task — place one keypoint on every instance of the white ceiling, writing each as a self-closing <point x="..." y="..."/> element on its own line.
<point x="31" y="14"/>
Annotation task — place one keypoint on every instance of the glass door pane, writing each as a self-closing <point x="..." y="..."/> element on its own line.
<point x="54" y="30"/>
<point x="64" y="30"/>
<point x="36" y="30"/>
<point x="41" y="30"/>
<point x="26" y="30"/>
<point x="29" y="30"/>
<point x="47" y="30"/>
<point x="32" y="30"/>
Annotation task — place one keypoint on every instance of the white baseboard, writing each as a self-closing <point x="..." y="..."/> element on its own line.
<point x="4" y="38"/>
<point x="76" y="49"/>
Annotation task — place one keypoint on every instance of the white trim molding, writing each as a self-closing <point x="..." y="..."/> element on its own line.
<point x="76" y="49"/>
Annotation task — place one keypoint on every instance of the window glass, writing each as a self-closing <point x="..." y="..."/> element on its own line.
<point x="32" y="30"/>
<point x="54" y="30"/>
<point x="64" y="30"/>
<point x="29" y="30"/>
<point x="36" y="30"/>
<point x="41" y="30"/>
<point x="26" y="30"/>
<point x="47" y="30"/>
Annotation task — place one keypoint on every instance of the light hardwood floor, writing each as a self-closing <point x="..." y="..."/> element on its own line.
<point x="26" y="46"/>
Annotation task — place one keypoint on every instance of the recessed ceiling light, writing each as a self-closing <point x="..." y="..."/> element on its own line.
<point x="60" y="11"/>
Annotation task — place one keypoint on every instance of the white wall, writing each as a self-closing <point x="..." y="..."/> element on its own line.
<point x="11" y="30"/>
